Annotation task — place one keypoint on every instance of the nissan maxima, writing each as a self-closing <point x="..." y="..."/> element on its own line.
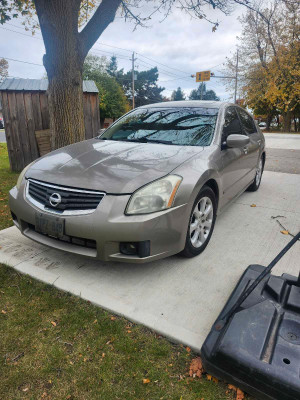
<point x="150" y="186"/>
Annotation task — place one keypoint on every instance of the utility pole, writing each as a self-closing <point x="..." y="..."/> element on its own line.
<point x="236" y="74"/>
<point x="133" y="60"/>
<point x="201" y="91"/>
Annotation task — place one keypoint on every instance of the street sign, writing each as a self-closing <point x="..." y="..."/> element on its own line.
<point x="202" y="76"/>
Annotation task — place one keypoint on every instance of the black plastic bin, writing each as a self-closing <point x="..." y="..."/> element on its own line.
<point x="255" y="342"/>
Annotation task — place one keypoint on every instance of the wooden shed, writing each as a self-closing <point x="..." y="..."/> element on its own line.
<point x="25" y="111"/>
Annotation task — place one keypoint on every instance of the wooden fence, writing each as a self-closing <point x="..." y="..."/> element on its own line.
<point x="25" y="112"/>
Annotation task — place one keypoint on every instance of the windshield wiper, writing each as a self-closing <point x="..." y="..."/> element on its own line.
<point x="146" y="140"/>
<point x="142" y="140"/>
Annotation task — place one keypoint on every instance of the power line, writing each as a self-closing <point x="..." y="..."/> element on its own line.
<point x="119" y="56"/>
<point x="21" y="61"/>
<point x="179" y="78"/>
<point x="20" y="33"/>
<point x="114" y="54"/>
<point x="157" y="62"/>
<point x="104" y="51"/>
<point x="171" y="74"/>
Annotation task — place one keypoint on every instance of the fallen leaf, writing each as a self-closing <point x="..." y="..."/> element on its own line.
<point x="253" y="205"/>
<point x="3" y="312"/>
<point x="239" y="393"/>
<point x="196" y="367"/>
<point x="285" y="232"/>
<point x="212" y="378"/>
<point x="25" y="389"/>
<point x="112" y="318"/>
<point x="146" y="380"/>
<point x="128" y="331"/>
<point x="188" y="349"/>
<point x="103" y="355"/>
<point x="95" y="321"/>
<point x="53" y="323"/>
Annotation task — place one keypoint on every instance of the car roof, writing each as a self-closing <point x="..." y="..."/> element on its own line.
<point x="187" y="104"/>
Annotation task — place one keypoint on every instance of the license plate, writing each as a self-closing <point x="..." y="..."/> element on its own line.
<point x="50" y="225"/>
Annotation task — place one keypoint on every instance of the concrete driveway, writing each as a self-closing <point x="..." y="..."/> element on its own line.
<point x="179" y="298"/>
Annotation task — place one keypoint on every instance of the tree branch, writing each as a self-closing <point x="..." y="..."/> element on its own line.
<point x="103" y="16"/>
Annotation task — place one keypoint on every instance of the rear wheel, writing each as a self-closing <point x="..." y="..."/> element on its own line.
<point x="256" y="183"/>
<point x="201" y="223"/>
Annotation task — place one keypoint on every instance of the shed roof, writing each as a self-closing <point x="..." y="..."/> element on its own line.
<point x="38" y="85"/>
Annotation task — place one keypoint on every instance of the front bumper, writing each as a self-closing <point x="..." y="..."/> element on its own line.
<point x="108" y="226"/>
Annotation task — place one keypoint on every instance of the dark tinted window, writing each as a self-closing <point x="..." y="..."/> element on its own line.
<point x="177" y="126"/>
<point x="232" y="124"/>
<point x="247" y="121"/>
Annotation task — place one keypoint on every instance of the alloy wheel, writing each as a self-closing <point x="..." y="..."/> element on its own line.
<point x="201" y="222"/>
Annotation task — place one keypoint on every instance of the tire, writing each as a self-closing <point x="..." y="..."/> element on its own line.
<point x="194" y="245"/>
<point x="256" y="183"/>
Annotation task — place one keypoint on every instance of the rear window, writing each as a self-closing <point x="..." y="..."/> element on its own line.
<point x="175" y="126"/>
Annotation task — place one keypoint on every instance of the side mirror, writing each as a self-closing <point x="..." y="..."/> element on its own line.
<point x="237" y="141"/>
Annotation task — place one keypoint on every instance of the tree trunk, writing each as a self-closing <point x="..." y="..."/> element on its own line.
<point x="269" y="120"/>
<point x="63" y="62"/>
<point x="66" y="50"/>
<point x="66" y="109"/>
<point x="287" y="119"/>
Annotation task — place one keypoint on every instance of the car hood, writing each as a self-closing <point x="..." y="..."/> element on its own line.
<point x="109" y="166"/>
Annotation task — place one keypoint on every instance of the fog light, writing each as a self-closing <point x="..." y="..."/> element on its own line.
<point x="130" y="249"/>
<point x="141" y="249"/>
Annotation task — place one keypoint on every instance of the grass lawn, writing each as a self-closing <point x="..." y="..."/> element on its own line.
<point x="7" y="180"/>
<point x="56" y="346"/>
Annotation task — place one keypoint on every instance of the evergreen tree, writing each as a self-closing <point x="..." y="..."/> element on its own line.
<point x="178" y="95"/>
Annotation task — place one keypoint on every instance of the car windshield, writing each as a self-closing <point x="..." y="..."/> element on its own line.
<point x="175" y="126"/>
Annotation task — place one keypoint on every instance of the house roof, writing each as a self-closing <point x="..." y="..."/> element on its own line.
<point x="38" y="85"/>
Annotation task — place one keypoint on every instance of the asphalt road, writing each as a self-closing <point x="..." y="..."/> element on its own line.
<point x="283" y="160"/>
<point x="283" y="153"/>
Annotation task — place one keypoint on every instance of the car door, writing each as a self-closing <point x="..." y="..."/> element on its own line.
<point x="235" y="164"/>
<point x="253" y="148"/>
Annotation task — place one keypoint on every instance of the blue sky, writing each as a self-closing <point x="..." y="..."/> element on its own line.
<point x="180" y="44"/>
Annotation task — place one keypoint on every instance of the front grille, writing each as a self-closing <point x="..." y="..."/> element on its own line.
<point x="69" y="239"/>
<point x="63" y="199"/>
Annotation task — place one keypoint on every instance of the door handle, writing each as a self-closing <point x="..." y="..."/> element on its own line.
<point x="259" y="141"/>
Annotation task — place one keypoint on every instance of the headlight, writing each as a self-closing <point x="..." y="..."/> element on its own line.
<point x="156" y="196"/>
<point x="22" y="174"/>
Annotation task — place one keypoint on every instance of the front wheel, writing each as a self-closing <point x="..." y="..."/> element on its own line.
<point x="201" y="222"/>
<point x="256" y="183"/>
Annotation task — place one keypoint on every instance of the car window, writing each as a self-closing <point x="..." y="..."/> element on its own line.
<point x="175" y="126"/>
<point x="232" y="124"/>
<point x="247" y="121"/>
